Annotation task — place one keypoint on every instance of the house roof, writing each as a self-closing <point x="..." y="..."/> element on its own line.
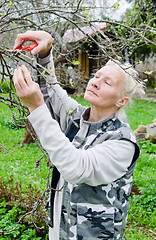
<point x="76" y="35"/>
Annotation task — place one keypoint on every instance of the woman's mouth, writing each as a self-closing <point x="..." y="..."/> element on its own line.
<point x="92" y="92"/>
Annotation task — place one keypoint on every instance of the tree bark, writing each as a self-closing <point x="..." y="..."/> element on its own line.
<point x="30" y="135"/>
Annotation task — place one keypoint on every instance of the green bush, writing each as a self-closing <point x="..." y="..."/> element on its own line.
<point x="13" y="205"/>
<point x="5" y="86"/>
<point x="142" y="210"/>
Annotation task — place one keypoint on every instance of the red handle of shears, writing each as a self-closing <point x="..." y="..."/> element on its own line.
<point x="29" y="47"/>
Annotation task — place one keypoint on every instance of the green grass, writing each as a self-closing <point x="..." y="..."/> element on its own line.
<point x="141" y="112"/>
<point x="17" y="160"/>
<point x="20" y="162"/>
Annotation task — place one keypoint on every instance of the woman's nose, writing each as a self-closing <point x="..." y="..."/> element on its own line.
<point x="95" y="82"/>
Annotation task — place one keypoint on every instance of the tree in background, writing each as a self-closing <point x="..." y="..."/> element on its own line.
<point x="135" y="33"/>
<point x="143" y="16"/>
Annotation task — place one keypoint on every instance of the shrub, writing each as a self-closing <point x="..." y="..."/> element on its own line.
<point x="13" y="205"/>
<point x="5" y="86"/>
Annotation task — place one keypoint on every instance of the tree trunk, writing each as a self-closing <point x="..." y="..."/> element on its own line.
<point x="30" y="135"/>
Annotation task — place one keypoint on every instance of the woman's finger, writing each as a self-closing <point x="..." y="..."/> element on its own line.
<point x="41" y="46"/>
<point x="20" y="78"/>
<point x="16" y="84"/>
<point x="19" y="41"/>
<point x="27" y="76"/>
<point x="24" y="37"/>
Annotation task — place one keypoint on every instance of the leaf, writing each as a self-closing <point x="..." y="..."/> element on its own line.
<point x="148" y="73"/>
<point x="87" y="13"/>
<point x="76" y="62"/>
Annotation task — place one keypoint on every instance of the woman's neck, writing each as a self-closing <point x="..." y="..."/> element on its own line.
<point x="97" y="115"/>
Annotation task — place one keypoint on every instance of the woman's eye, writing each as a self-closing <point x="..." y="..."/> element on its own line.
<point x="108" y="83"/>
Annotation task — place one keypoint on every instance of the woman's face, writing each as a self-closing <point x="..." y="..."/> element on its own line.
<point x="105" y="88"/>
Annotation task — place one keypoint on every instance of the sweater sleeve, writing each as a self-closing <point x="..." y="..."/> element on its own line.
<point x="61" y="105"/>
<point x="98" y="165"/>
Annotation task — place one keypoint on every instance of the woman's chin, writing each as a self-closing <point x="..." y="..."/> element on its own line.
<point x="86" y="97"/>
<point x="89" y="97"/>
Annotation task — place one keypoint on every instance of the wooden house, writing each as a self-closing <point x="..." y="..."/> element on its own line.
<point x="86" y="54"/>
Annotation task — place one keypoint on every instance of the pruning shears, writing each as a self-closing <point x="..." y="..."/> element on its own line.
<point x="29" y="47"/>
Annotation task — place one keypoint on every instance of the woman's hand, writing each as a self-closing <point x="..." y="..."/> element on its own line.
<point x="27" y="90"/>
<point x="42" y="38"/>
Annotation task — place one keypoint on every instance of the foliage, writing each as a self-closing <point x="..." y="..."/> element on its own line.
<point x="146" y="178"/>
<point x="21" y="185"/>
<point x="4" y="86"/>
<point x="16" y="160"/>
<point x="138" y="233"/>
<point x="14" y="204"/>
<point x="56" y="17"/>
<point x="141" y="17"/>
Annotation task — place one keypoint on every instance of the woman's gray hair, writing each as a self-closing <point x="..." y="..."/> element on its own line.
<point x="132" y="86"/>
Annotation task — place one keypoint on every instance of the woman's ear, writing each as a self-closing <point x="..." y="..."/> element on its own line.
<point x="122" y="102"/>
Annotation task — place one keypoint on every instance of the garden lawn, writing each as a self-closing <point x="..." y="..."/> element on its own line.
<point x="20" y="162"/>
<point x="17" y="160"/>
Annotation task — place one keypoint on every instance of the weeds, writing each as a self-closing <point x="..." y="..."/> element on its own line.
<point x="14" y="204"/>
<point x="20" y="163"/>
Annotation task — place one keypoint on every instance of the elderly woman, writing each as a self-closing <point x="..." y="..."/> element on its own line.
<point x="93" y="150"/>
